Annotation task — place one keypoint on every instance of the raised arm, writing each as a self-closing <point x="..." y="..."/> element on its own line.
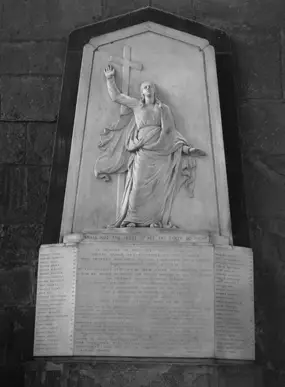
<point x="115" y="93"/>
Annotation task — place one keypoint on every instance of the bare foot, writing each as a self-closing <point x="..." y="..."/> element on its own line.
<point x="156" y="225"/>
<point x="170" y="225"/>
<point x="128" y="224"/>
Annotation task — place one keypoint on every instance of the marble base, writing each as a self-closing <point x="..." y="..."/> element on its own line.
<point x="88" y="372"/>
<point x="145" y="293"/>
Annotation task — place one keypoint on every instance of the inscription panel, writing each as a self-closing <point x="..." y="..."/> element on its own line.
<point x="234" y="303"/>
<point x="140" y="299"/>
<point x="149" y="236"/>
<point x="55" y="301"/>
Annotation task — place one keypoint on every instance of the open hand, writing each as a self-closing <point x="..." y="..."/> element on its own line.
<point x="195" y="152"/>
<point x="109" y="71"/>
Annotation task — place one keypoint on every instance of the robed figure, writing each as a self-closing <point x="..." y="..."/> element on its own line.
<point x="158" y="161"/>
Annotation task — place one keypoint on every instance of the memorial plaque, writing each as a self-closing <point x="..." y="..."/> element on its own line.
<point x="144" y="299"/>
<point x="145" y="295"/>
<point x="55" y="301"/>
<point x="113" y="133"/>
<point x="146" y="268"/>
<point x="234" y="306"/>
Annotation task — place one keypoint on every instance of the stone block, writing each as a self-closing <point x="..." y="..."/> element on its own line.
<point x="47" y="374"/>
<point x="276" y="344"/>
<point x="2" y="354"/>
<point x="160" y="375"/>
<point x="17" y="334"/>
<point x="87" y="373"/>
<point x="19" y="244"/>
<point x="182" y="8"/>
<point x="225" y="13"/>
<point x="30" y="98"/>
<point x="13" y="194"/>
<point x="282" y="34"/>
<point x="263" y="141"/>
<point x="269" y="296"/>
<point x="240" y="376"/>
<point x="12" y="376"/>
<point x="32" y="58"/>
<point x="53" y="379"/>
<point x="10" y="258"/>
<point x="12" y="142"/>
<point x="264" y="189"/>
<point x="261" y="127"/>
<point x="23" y="334"/>
<point x="37" y="192"/>
<point x="5" y="328"/>
<point x="16" y="286"/>
<point x="40" y="141"/>
<point x="114" y="8"/>
<point x="32" y="379"/>
<point x="274" y="378"/>
<point x="44" y="19"/>
<point x="23" y="236"/>
<point x="258" y="72"/>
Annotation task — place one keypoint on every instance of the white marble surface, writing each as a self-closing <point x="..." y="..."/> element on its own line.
<point x="153" y="294"/>
<point x="55" y="305"/>
<point x="141" y="300"/>
<point x="186" y="79"/>
<point x="234" y="303"/>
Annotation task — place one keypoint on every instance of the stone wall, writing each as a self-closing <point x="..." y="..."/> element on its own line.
<point x="32" y="49"/>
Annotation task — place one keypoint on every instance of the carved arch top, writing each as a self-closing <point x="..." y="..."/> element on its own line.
<point x="158" y="29"/>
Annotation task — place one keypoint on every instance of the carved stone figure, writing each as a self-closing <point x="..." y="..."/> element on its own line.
<point x="145" y="144"/>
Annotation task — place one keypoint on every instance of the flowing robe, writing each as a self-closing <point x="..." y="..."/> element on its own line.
<point x="145" y="144"/>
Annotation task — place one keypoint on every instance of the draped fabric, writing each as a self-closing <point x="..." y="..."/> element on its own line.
<point x="156" y="168"/>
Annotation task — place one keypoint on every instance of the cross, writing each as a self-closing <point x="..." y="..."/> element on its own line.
<point x="127" y="65"/>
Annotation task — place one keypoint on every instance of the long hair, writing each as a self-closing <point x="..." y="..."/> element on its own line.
<point x="156" y="99"/>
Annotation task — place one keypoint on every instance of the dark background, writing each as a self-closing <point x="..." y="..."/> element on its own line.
<point x="32" y="50"/>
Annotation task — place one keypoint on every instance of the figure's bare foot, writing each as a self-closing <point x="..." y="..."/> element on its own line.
<point x="170" y="225"/>
<point x="156" y="225"/>
<point x="128" y="224"/>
